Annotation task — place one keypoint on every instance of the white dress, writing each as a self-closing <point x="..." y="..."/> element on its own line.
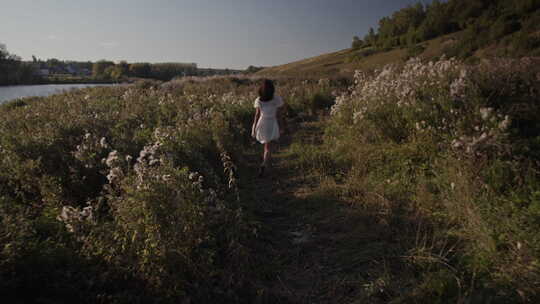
<point x="267" y="128"/>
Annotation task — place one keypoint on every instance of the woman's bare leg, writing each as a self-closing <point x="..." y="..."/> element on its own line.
<point x="266" y="158"/>
<point x="267" y="154"/>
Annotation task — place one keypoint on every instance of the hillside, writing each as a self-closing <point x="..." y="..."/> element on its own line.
<point x="139" y="194"/>
<point x="346" y="61"/>
<point x="468" y="30"/>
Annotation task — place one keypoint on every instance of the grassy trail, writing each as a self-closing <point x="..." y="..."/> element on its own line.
<point x="317" y="248"/>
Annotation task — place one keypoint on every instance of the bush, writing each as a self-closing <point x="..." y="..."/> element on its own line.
<point x="503" y="27"/>
<point x="137" y="180"/>
<point x="358" y="55"/>
<point x="523" y="43"/>
<point x="321" y="101"/>
<point x="130" y="194"/>
<point x="444" y="151"/>
<point x="415" y="51"/>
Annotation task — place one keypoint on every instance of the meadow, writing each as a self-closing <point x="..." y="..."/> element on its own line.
<point x="146" y="193"/>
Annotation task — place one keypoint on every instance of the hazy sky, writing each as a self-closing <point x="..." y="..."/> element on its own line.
<point x="211" y="33"/>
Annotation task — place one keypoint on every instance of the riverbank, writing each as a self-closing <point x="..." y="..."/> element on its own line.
<point x="8" y="93"/>
<point x="77" y="80"/>
<point x="65" y="80"/>
<point x="148" y="193"/>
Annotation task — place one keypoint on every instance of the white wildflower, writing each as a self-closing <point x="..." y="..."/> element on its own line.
<point x="114" y="175"/>
<point x="111" y="159"/>
<point x="505" y="124"/>
<point x="103" y="143"/>
<point x="485" y="113"/>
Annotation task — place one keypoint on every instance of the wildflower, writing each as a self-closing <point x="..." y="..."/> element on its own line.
<point x="485" y="113"/>
<point x="193" y="175"/>
<point x="87" y="212"/>
<point x="111" y="159"/>
<point x="103" y="143"/>
<point x="114" y="175"/>
<point x="358" y="116"/>
<point x="72" y="217"/>
<point x="505" y="124"/>
<point x="456" y="144"/>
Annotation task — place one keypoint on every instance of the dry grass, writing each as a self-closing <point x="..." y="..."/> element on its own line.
<point x="339" y="63"/>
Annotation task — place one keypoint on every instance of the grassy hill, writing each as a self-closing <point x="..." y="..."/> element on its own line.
<point x="345" y="62"/>
<point x="468" y="30"/>
<point x="405" y="190"/>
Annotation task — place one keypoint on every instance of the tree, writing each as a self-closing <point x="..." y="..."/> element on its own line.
<point x="142" y="70"/>
<point x="3" y="52"/>
<point x="54" y="63"/>
<point x="357" y="42"/>
<point x="99" y="67"/>
<point x="253" y="69"/>
<point x="371" y="37"/>
<point x="12" y="69"/>
<point x="113" y="72"/>
<point x="123" y="67"/>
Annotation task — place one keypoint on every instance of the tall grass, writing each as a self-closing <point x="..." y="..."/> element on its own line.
<point x="130" y="194"/>
<point x="446" y="153"/>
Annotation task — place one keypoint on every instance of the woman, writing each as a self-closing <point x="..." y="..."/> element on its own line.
<point x="265" y="124"/>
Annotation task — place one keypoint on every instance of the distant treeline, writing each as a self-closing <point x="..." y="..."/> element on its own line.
<point x="162" y="71"/>
<point x="15" y="71"/>
<point x="482" y="21"/>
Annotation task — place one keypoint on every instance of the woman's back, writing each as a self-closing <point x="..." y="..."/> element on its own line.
<point x="269" y="108"/>
<point x="265" y="124"/>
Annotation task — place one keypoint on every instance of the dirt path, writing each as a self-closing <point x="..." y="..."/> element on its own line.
<point x="315" y="244"/>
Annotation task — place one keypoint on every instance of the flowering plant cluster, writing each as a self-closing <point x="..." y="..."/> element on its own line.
<point x="449" y="148"/>
<point x="441" y="99"/>
<point x="141" y="182"/>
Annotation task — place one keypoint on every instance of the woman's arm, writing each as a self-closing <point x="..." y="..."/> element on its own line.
<point x="255" y="120"/>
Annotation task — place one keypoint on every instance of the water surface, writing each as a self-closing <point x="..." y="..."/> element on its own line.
<point x="8" y="93"/>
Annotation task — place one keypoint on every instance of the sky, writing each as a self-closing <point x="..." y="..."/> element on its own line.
<point x="212" y="33"/>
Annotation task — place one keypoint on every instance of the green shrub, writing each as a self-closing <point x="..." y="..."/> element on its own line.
<point x="362" y="53"/>
<point x="101" y="177"/>
<point x="503" y="27"/>
<point x="321" y="101"/>
<point x="415" y="50"/>
<point x="444" y="154"/>
<point x="131" y="194"/>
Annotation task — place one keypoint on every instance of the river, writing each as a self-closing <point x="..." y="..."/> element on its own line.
<point x="13" y="92"/>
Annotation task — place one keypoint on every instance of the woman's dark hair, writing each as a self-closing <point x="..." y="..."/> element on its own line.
<point x="266" y="91"/>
